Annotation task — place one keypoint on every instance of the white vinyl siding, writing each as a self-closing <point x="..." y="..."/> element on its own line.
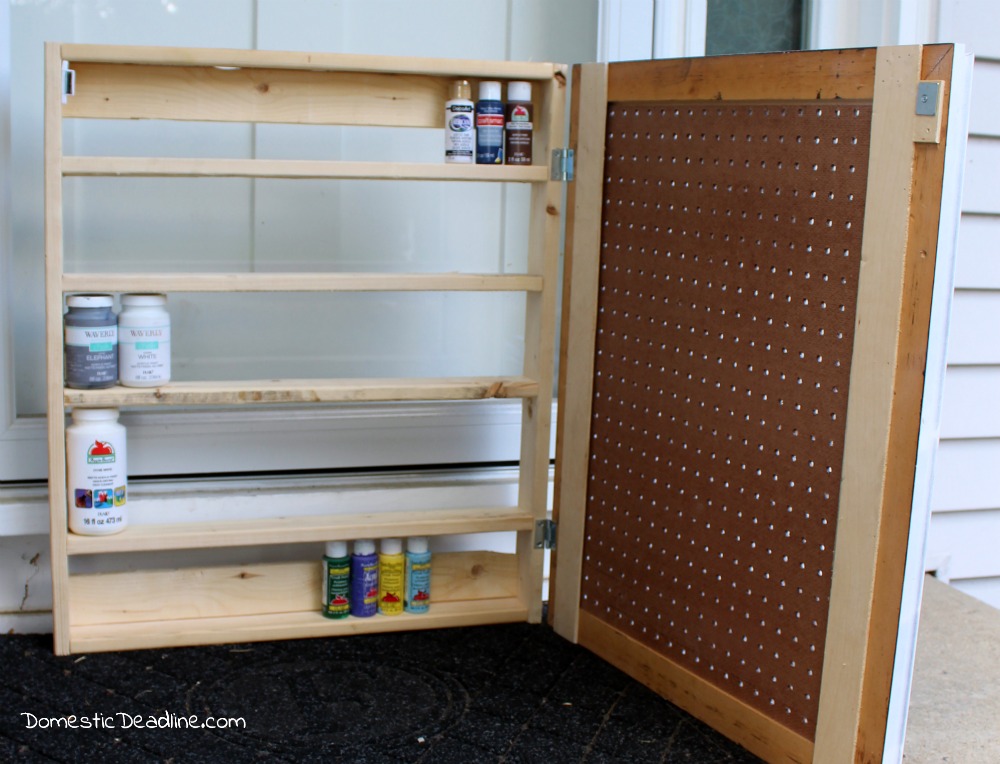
<point x="965" y="525"/>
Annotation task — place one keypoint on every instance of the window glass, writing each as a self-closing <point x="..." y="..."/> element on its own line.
<point x="753" y="26"/>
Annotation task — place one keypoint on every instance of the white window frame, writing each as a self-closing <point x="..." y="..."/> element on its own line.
<point x="637" y="29"/>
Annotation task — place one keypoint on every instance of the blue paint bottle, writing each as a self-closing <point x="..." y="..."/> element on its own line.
<point x="418" y="576"/>
<point x="364" y="579"/>
<point x="489" y="124"/>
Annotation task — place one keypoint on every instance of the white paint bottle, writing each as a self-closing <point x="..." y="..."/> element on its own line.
<point x="143" y="341"/>
<point x="96" y="472"/>
<point x="460" y="125"/>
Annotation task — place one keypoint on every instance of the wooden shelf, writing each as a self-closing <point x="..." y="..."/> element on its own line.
<point x="255" y="628"/>
<point x="300" y="282"/>
<point x="162" y="600"/>
<point x="301" y="529"/>
<point x="230" y="58"/>
<point x="166" y="167"/>
<point x="220" y="393"/>
<point x="237" y="603"/>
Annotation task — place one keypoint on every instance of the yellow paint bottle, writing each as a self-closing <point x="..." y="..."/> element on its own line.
<point x="391" y="574"/>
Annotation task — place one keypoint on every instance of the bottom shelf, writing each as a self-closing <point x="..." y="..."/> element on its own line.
<point x="267" y="601"/>
<point x="271" y="626"/>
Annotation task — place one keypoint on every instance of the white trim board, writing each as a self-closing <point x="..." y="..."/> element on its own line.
<point x="944" y="279"/>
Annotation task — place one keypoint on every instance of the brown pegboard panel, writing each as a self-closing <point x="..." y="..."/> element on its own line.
<point x="729" y="270"/>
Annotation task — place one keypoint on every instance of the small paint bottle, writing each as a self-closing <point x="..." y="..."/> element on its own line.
<point x="96" y="472"/>
<point x="336" y="601"/>
<point x="91" y="342"/>
<point x="489" y="124"/>
<point x="518" y="125"/>
<point x="418" y="575"/>
<point x="391" y="577"/>
<point x="364" y="579"/>
<point x="460" y="125"/>
<point x="143" y="340"/>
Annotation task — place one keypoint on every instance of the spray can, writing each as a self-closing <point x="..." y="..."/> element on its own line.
<point x="336" y="601"/>
<point x="489" y="124"/>
<point x="96" y="472"/>
<point x="91" y="342"/>
<point x="460" y="125"/>
<point x="518" y="126"/>
<point x="391" y="575"/>
<point x="364" y="579"/>
<point x="418" y="576"/>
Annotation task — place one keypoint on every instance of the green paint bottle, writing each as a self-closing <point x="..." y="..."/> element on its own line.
<point x="336" y="580"/>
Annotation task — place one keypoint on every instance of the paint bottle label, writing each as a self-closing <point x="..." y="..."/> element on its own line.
<point x="91" y="355"/>
<point x="337" y="587"/>
<point x="418" y="582"/>
<point x="364" y="585"/>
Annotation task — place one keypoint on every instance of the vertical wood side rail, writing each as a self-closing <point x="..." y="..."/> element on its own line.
<point x="579" y="331"/>
<point x="53" y="345"/>
<point x="539" y="346"/>
<point x="913" y="392"/>
<point x="870" y="407"/>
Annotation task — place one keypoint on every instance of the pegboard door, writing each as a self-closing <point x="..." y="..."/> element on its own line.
<point x="751" y="254"/>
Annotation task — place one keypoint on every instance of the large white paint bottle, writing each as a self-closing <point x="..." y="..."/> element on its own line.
<point x="97" y="472"/>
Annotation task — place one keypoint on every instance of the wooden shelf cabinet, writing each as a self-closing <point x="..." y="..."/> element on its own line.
<point x="155" y="607"/>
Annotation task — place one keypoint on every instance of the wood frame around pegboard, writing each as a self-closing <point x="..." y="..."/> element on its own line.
<point x="751" y="249"/>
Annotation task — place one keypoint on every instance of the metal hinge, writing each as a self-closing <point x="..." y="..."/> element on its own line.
<point x="68" y="81"/>
<point x="928" y="111"/>
<point x="562" y="164"/>
<point x="545" y="534"/>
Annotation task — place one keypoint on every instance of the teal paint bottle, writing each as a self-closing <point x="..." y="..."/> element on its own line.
<point x="418" y="576"/>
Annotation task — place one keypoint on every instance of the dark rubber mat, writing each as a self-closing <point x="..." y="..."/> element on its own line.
<point x="515" y="693"/>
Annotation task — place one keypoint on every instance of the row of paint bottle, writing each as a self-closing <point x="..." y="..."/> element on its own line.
<point x="488" y="131"/>
<point x="102" y="349"/>
<point x="365" y="582"/>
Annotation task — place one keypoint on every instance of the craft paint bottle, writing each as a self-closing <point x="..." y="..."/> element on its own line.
<point x="336" y="580"/>
<point x="143" y="340"/>
<point x="418" y="576"/>
<point x="96" y="472"/>
<point x="391" y="575"/>
<point x="518" y="125"/>
<point x="460" y="125"/>
<point x="91" y="342"/>
<point x="364" y="579"/>
<point x="489" y="124"/>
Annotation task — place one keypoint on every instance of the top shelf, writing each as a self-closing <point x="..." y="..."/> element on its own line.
<point x="273" y="59"/>
<point x="118" y="82"/>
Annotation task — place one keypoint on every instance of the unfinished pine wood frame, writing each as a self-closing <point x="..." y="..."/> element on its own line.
<point x="110" y="611"/>
<point x="687" y="646"/>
